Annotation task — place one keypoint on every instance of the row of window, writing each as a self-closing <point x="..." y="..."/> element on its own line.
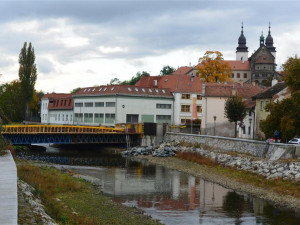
<point x="63" y="117"/>
<point x="187" y="108"/>
<point x="263" y="104"/>
<point x="97" y="104"/>
<point x="238" y="75"/>
<point x="44" y="105"/>
<point x="129" y="89"/>
<point x="188" y="96"/>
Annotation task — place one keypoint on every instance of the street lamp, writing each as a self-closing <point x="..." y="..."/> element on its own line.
<point x="250" y="121"/>
<point x="215" y="117"/>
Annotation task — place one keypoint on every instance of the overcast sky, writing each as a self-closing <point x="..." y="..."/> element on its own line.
<point x="87" y="43"/>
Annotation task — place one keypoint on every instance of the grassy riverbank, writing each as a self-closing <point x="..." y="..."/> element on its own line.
<point x="70" y="200"/>
<point x="281" y="192"/>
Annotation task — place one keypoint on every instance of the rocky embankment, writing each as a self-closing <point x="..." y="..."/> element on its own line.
<point x="271" y="169"/>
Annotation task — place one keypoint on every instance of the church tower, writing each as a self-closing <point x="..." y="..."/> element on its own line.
<point x="269" y="43"/>
<point x="242" y="49"/>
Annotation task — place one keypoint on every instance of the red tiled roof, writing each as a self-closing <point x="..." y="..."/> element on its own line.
<point x="147" y="81"/>
<point x="226" y="90"/>
<point x="57" y="95"/>
<point x="59" y="101"/>
<point x="234" y="64"/>
<point x="181" y="83"/>
<point x="124" y="90"/>
<point x="182" y="70"/>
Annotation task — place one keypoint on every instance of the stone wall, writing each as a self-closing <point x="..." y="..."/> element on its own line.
<point x="222" y="144"/>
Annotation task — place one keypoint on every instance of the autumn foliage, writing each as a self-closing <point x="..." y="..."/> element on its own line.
<point x="213" y="68"/>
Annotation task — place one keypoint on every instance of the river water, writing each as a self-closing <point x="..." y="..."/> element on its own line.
<point x="167" y="195"/>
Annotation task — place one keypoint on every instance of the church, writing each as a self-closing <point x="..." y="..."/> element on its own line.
<point x="260" y="67"/>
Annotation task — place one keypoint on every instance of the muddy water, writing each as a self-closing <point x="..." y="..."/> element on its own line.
<point x="168" y="195"/>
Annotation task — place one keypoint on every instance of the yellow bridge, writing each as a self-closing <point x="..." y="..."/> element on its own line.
<point x="68" y="134"/>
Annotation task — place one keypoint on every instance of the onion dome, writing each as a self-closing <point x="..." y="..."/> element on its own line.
<point x="269" y="41"/>
<point x="262" y="39"/>
<point x="242" y="42"/>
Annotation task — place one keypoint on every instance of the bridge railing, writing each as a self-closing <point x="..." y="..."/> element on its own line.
<point x="57" y="129"/>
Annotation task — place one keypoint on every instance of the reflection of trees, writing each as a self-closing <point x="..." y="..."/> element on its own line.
<point x="234" y="205"/>
<point x="280" y="216"/>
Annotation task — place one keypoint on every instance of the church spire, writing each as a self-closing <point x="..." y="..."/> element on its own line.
<point x="242" y="49"/>
<point x="262" y="39"/>
<point x="269" y="42"/>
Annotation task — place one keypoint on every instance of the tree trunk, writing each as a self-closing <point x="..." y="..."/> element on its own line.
<point x="235" y="123"/>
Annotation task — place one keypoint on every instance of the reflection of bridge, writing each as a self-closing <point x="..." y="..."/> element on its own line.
<point x="64" y="134"/>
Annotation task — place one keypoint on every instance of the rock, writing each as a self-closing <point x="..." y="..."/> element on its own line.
<point x="297" y="177"/>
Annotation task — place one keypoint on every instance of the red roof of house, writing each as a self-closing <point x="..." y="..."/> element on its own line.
<point x="234" y="64"/>
<point x="226" y="90"/>
<point x="182" y="70"/>
<point x="181" y="83"/>
<point x="147" y="81"/>
<point x="124" y="90"/>
<point x="59" y="101"/>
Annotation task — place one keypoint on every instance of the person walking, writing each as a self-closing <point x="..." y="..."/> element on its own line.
<point x="276" y="133"/>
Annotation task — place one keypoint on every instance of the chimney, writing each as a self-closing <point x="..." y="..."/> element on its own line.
<point x="274" y="81"/>
<point x="203" y="88"/>
<point x="253" y="83"/>
<point x="155" y="83"/>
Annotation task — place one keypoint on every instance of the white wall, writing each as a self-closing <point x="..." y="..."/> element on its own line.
<point x="247" y="124"/>
<point x="44" y="111"/>
<point x="61" y="117"/>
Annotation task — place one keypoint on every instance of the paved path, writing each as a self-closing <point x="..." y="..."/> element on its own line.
<point x="8" y="190"/>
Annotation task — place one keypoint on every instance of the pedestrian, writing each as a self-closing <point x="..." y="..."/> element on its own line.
<point x="276" y="133"/>
<point x="280" y="136"/>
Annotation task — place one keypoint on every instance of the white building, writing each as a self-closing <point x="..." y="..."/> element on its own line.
<point x="57" y="109"/>
<point x="112" y="104"/>
<point x="187" y="92"/>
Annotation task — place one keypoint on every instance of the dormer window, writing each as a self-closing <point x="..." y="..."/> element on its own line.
<point x="93" y="89"/>
<point x="163" y="91"/>
<point x="84" y="90"/>
<point x="143" y="89"/>
<point x="89" y="90"/>
<point x="150" y="90"/>
<point x="156" y="90"/>
<point x="112" y="88"/>
<point x="136" y="89"/>
<point x="104" y="89"/>
<point x="129" y="89"/>
<point x="100" y="89"/>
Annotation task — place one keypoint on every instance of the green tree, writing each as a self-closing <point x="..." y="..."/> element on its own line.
<point x="235" y="110"/>
<point x="166" y="70"/>
<point x="292" y="73"/>
<point x="27" y="75"/>
<point x="136" y="78"/>
<point x="75" y="90"/>
<point x="114" y="81"/>
<point x="284" y="116"/>
<point x="10" y="95"/>
<point x="213" y="68"/>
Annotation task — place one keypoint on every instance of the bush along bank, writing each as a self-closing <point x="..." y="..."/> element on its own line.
<point x="271" y="169"/>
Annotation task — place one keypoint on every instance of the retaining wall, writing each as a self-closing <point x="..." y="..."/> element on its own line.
<point x="8" y="190"/>
<point x="256" y="148"/>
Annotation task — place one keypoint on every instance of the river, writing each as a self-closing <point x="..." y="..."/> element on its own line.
<point x="167" y="195"/>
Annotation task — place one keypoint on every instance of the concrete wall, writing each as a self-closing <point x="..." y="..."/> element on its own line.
<point x="223" y="144"/>
<point x="8" y="190"/>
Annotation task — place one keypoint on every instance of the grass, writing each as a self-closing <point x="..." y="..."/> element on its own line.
<point x="280" y="186"/>
<point x="70" y="200"/>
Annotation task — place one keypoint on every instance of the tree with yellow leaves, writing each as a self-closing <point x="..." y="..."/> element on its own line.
<point x="213" y="68"/>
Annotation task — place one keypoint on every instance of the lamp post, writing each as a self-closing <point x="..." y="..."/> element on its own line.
<point x="123" y="106"/>
<point x="250" y="121"/>
<point x="215" y="118"/>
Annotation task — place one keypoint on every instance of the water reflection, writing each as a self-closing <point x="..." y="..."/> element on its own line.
<point x="171" y="196"/>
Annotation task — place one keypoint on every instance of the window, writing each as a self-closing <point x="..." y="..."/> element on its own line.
<point x="250" y="112"/>
<point x="110" y="104"/>
<point x="185" y="121"/>
<point x="249" y="130"/>
<point x="261" y="105"/>
<point x="89" y="90"/>
<point x="163" y="106"/>
<point x="185" y="96"/>
<point x="67" y="117"/>
<point x="99" y="115"/>
<point x="129" y="89"/>
<point x="99" y="104"/>
<point x="77" y="115"/>
<point x="88" y="116"/>
<point x="84" y="90"/>
<point x="132" y="118"/>
<point x="78" y="104"/>
<point x="199" y="97"/>
<point x="199" y="108"/>
<point x="245" y="75"/>
<point x="100" y="89"/>
<point x="156" y="90"/>
<point x="163" y="91"/>
<point x="88" y="104"/>
<point x="143" y="89"/>
<point x="55" y="117"/>
<point x="232" y="75"/>
<point x="58" y="117"/>
<point x="63" y="117"/>
<point x="150" y="90"/>
<point x="109" y="115"/>
<point x="136" y="89"/>
<point x="244" y="129"/>
<point x="93" y="89"/>
<point x="104" y="89"/>
<point x="238" y="75"/>
<point x="163" y="117"/>
<point x="71" y="117"/>
<point x="112" y="88"/>
<point x="185" y="108"/>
